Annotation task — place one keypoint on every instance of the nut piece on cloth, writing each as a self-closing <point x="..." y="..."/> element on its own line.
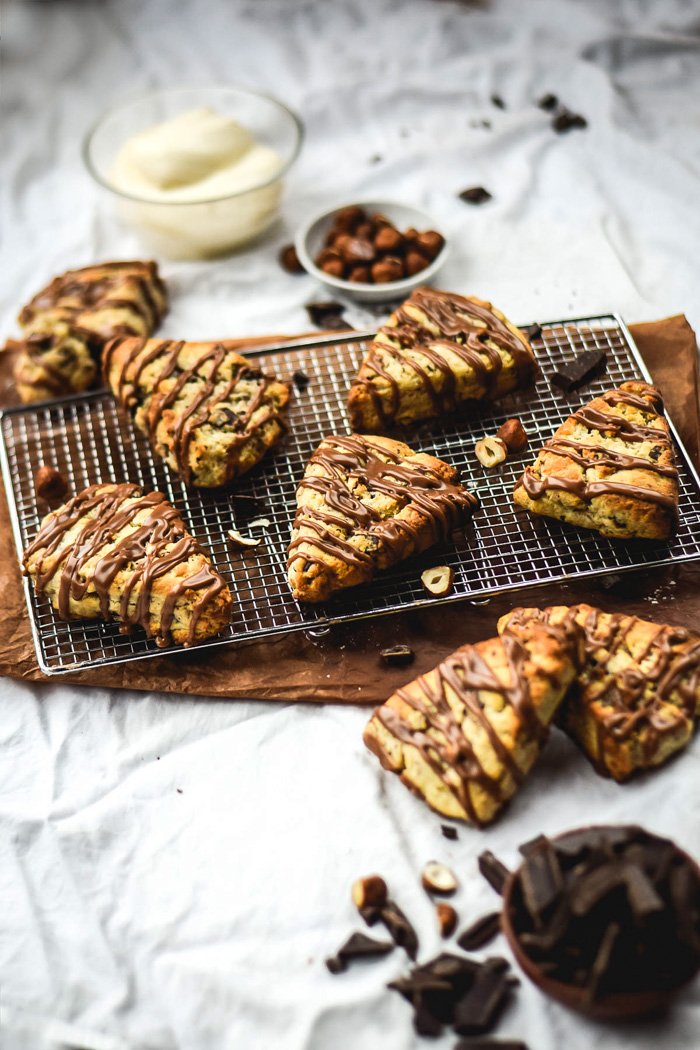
<point x="435" y="352"/>
<point x="67" y="323"/>
<point x="114" y="552"/>
<point x="634" y="702"/>
<point x="208" y="412"/>
<point x="610" y="467"/>
<point x="464" y="735"/>
<point x="364" y="504"/>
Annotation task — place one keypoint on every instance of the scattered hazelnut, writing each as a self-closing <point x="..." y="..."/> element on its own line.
<point x="359" y="274"/>
<point x="415" y="262"/>
<point x="388" y="269"/>
<point x="447" y="919"/>
<point x="241" y="541"/>
<point x="512" y="434"/>
<point x="438" y="878"/>
<point x="49" y="484"/>
<point x="430" y="243"/>
<point x="334" y="267"/>
<point x="369" y="892"/>
<point x="289" y="260"/>
<point x="387" y="239"/>
<point x="491" y="451"/>
<point x="437" y="582"/>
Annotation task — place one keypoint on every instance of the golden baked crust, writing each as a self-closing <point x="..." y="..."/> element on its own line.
<point x="464" y="735"/>
<point x="210" y="413"/>
<point x="364" y="504"/>
<point x="609" y="467"/>
<point x="634" y="702"/>
<point x="435" y="352"/>
<point x="114" y="552"/>
<point x="67" y="323"/>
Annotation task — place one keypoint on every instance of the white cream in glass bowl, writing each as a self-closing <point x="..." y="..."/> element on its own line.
<point x="197" y="171"/>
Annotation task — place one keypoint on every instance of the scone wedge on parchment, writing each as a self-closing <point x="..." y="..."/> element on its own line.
<point x="209" y="412"/>
<point x="114" y="552"/>
<point x="436" y="352"/>
<point x="464" y="735"/>
<point x="364" y="504"/>
<point x="610" y="467"/>
<point x="635" y="700"/>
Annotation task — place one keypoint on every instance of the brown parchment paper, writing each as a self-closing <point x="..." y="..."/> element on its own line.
<point x="344" y="666"/>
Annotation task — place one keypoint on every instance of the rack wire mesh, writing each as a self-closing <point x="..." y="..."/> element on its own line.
<point x="89" y="441"/>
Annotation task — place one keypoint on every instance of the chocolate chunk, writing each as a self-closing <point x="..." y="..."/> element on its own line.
<point x="488" y="1043"/>
<point x="328" y="315"/>
<point x="583" y="368"/>
<point x="498" y="102"/>
<point x="593" y="887"/>
<point x="480" y="932"/>
<point x="493" y="871"/>
<point x="376" y="158"/>
<point x="655" y="452"/>
<point x="448" y="831"/>
<point x="548" y="102"/>
<point x="643" y="898"/>
<point x="474" y="195"/>
<point x="399" y="928"/>
<point x="533" y="331"/>
<point x="565" y="120"/>
<point x="398" y="655"/>
<point x="300" y="379"/>
<point x="477" y="1011"/>
<point x="541" y="879"/>
<point x="601" y="963"/>
<point x="289" y="260"/>
<point x="357" y="946"/>
<point x="425" y="1022"/>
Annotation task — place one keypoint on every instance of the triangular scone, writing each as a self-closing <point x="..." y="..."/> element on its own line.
<point x="114" y="552"/>
<point x="364" y="504"/>
<point x="67" y="323"/>
<point x="210" y="413"/>
<point x="609" y="467"/>
<point x="435" y="352"/>
<point x="634" y="702"/>
<point x="464" y="735"/>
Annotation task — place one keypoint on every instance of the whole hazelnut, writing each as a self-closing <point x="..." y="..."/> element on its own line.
<point x="411" y="234"/>
<point x="346" y="219"/>
<point x="289" y="260"/>
<point x="430" y="243"/>
<point x="360" y="274"/>
<point x="512" y="434"/>
<point x="49" y="484"/>
<point x="380" y="220"/>
<point x="388" y="239"/>
<point x="369" y="892"/>
<point x="341" y="243"/>
<point x="447" y="918"/>
<point x="325" y="254"/>
<point x="356" y="250"/>
<point x="415" y="262"/>
<point x="365" y="231"/>
<point x="390" y="268"/>
<point x="333" y="267"/>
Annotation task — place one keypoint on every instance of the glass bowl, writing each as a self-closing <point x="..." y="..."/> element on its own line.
<point x="202" y="228"/>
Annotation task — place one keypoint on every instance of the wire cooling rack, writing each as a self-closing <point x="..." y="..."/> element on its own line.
<point x="87" y="439"/>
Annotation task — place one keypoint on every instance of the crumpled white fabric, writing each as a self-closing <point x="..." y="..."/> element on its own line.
<point x="174" y="871"/>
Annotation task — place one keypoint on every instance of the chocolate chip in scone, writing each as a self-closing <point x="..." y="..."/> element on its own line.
<point x="289" y="260"/>
<point x="493" y="870"/>
<point x="300" y="379"/>
<point x="498" y="102"/>
<point x="398" y="655"/>
<point x="480" y="932"/>
<point x="564" y="120"/>
<point x="581" y="370"/>
<point x="448" y="831"/>
<point x="327" y="314"/>
<point x="655" y="452"/>
<point x="548" y="102"/>
<point x="357" y="946"/>
<point x="475" y="195"/>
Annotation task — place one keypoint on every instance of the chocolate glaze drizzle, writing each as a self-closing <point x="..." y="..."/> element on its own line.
<point x="196" y="410"/>
<point x="150" y="551"/>
<point x="591" y="456"/>
<point x="466" y="329"/>
<point x="349" y="462"/>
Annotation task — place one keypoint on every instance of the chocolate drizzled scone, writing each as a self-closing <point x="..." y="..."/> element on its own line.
<point x="114" y="552"/>
<point x="609" y="467"/>
<point x="435" y="352"/>
<point x="364" y="504"/>
<point x="68" y="322"/>
<point x="464" y="735"/>
<point x="208" y="412"/>
<point x="634" y="702"/>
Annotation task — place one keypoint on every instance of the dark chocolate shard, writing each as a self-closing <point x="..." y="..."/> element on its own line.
<point x="548" y="102"/>
<point x="643" y="898"/>
<point x="357" y="946"/>
<point x="300" y="379"/>
<point x="475" y="195"/>
<point x="480" y="932"/>
<point x="498" y="102"/>
<point x="565" y="120"/>
<point x="477" y="1012"/>
<point x="601" y="963"/>
<point x="328" y="314"/>
<point x="581" y="370"/>
<point x="425" y="1022"/>
<point x="488" y="1043"/>
<point x="533" y="331"/>
<point x="399" y="928"/>
<point x="589" y="890"/>
<point x="397" y="655"/>
<point x="448" y="831"/>
<point x="493" y="870"/>
<point x="541" y="880"/>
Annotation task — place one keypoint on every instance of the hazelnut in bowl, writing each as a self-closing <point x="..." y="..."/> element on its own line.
<point x="372" y="251"/>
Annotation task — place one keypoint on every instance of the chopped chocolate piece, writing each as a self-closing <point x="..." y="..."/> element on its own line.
<point x="300" y="379"/>
<point x="601" y="963"/>
<point x="493" y="870"/>
<point x="398" y="655"/>
<point x="327" y="315"/>
<point x="474" y="195"/>
<point x="490" y="1044"/>
<point x="541" y="879"/>
<point x="548" y="102"/>
<point x="357" y="946"/>
<point x="399" y="928"/>
<point x="565" y="120"/>
<point x="425" y="1022"/>
<point x="532" y="331"/>
<point x="376" y="158"/>
<point x="498" y="102"/>
<point x="643" y="898"/>
<point x="448" y="831"/>
<point x="289" y="260"/>
<point x="480" y="932"/>
<point x="591" y="888"/>
<point x="477" y="1011"/>
<point x="583" y="368"/>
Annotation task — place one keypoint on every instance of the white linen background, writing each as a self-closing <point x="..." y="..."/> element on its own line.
<point x="174" y="871"/>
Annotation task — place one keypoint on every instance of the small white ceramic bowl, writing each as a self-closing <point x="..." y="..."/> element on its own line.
<point x="312" y="234"/>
